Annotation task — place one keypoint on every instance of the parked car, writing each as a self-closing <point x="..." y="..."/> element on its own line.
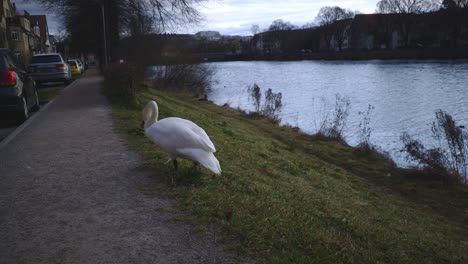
<point x="18" y="93"/>
<point x="91" y="62"/>
<point x="74" y="67"/>
<point x="49" y="67"/>
<point x="82" y="65"/>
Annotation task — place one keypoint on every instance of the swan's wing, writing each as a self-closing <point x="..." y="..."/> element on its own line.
<point x="177" y="133"/>
<point x="200" y="132"/>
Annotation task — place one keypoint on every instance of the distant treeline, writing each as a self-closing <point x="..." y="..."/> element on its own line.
<point x="429" y="35"/>
<point x="155" y="49"/>
<point x="435" y="35"/>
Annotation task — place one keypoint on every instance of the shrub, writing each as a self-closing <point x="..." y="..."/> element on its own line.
<point x="272" y="103"/>
<point x="256" y="96"/>
<point x="333" y="128"/>
<point x="123" y="80"/>
<point x="445" y="128"/>
<point x="272" y="106"/>
<point x="432" y="158"/>
<point x="447" y="160"/>
<point x="365" y="129"/>
<point x="194" y="78"/>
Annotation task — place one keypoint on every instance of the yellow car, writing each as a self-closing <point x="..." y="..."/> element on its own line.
<point x="75" y="68"/>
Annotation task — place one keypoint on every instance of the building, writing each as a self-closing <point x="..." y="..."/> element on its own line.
<point x="25" y="34"/>
<point x="34" y="36"/>
<point x="6" y="11"/>
<point x="41" y="21"/>
<point x="375" y="31"/>
<point x="365" y="32"/>
<point x="208" y="35"/>
<point x="267" y="43"/>
<point x="19" y="32"/>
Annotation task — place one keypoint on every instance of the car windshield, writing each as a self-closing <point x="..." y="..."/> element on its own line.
<point x="46" y="59"/>
<point x="72" y="62"/>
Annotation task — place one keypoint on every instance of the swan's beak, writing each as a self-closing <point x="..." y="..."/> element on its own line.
<point x="142" y="125"/>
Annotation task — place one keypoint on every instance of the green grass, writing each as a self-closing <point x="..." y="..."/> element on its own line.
<point x="48" y="93"/>
<point x="77" y="76"/>
<point x="287" y="197"/>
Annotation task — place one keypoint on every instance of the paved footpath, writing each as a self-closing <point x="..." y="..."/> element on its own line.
<point x="69" y="193"/>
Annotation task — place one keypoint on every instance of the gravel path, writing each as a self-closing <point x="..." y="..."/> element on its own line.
<point x="69" y="193"/>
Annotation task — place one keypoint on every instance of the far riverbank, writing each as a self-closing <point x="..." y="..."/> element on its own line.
<point x="402" y="54"/>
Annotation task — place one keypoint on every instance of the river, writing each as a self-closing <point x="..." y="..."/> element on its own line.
<point x="404" y="94"/>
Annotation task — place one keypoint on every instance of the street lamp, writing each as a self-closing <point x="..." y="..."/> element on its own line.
<point x="101" y="4"/>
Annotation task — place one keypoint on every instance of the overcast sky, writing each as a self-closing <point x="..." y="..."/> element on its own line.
<point x="235" y="17"/>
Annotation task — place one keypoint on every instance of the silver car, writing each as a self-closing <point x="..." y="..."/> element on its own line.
<point x="49" y="67"/>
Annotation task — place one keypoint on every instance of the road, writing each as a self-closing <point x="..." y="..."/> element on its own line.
<point x="70" y="192"/>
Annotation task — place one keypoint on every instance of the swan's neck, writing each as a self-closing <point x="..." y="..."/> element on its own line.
<point x="153" y="117"/>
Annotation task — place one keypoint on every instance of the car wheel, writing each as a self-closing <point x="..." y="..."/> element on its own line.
<point x="37" y="104"/>
<point x="24" y="112"/>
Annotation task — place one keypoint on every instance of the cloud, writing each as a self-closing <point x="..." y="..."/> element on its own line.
<point x="235" y="17"/>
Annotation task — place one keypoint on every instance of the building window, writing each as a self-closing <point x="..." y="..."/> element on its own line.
<point x="15" y="35"/>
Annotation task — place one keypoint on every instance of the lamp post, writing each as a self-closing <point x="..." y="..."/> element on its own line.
<point x="101" y="4"/>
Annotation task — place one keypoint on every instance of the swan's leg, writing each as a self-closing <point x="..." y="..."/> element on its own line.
<point x="174" y="162"/>
<point x="196" y="167"/>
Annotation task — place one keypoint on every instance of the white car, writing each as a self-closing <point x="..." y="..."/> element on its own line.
<point x="50" y="67"/>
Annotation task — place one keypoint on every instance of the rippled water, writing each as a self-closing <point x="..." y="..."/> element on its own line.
<point x="405" y="94"/>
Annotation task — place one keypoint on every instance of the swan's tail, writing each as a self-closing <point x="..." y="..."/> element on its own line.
<point x="211" y="162"/>
<point x="205" y="158"/>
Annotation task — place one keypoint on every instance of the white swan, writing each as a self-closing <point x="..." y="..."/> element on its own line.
<point x="180" y="138"/>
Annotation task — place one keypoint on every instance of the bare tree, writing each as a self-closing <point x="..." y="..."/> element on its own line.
<point x="328" y="17"/>
<point x="279" y="25"/>
<point x="83" y="19"/>
<point x="278" y="34"/>
<point x="254" y="29"/>
<point x="330" y="14"/>
<point x="166" y="14"/>
<point x="455" y="13"/>
<point x="309" y="25"/>
<point x="454" y="4"/>
<point x="406" y="6"/>
<point x="404" y="11"/>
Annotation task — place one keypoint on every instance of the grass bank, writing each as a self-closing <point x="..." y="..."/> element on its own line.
<point x="48" y="93"/>
<point x="287" y="197"/>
